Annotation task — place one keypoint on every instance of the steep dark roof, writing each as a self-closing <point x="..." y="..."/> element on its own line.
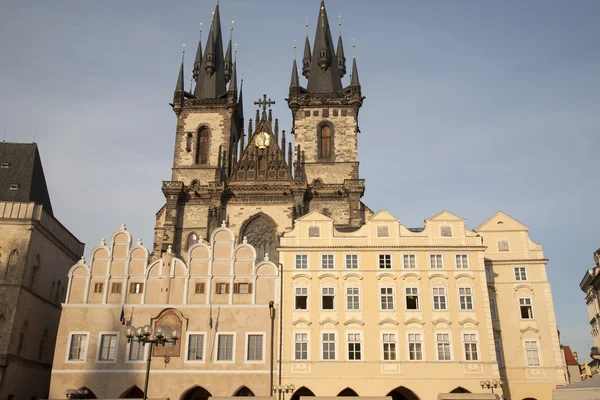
<point x="20" y="164"/>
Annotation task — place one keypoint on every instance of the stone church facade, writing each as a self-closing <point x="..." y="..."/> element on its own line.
<point x="264" y="251"/>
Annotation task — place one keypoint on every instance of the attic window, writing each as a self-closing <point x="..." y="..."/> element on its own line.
<point x="14" y="186"/>
<point x="5" y="165"/>
<point x="383" y="231"/>
<point x="446" y="231"/>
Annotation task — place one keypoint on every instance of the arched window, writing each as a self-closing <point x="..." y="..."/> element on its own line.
<point x="261" y="232"/>
<point x="325" y="142"/>
<point x="192" y="240"/>
<point x="34" y="271"/>
<point x="13" y="260"/>
<point x="202" y="146"/>
<point x="22" y="338"/>
<point x="43" y="345"/>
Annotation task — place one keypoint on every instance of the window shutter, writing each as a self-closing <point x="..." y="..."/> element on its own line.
<point x="249" y="288"/>
<point x="217" y="288"/>
<point x="236" y="288"/>
<point x="227" y="288"/>
<point x="202" y="288"/>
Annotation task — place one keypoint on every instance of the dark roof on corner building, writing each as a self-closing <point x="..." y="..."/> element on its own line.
<point x="22" y="176"/>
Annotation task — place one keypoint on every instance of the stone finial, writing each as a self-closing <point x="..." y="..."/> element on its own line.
<point x="102" y="242"/>
<point x="266" y="256"/>
<point x="223" y="224"/>
<point x="82" y="260"/>
<point x="123" y="227"/>
<point x="139" y="242"/>
<point x="169" y="250"/>
<point x="245" y="241"/>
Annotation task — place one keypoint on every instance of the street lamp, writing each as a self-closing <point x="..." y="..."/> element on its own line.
<point x="76" y="393"/>
<point x="283" y="389"/>
<point x="491" y="385"/>
<point x="161" y="337"/>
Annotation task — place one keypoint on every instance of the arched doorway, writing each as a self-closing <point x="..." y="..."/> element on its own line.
<point x="244" y="391"/>
<point x="460" y="390"/>
<point x="303" y="391"/>
<point x="261" y="232"/>
<point x="196" y="393"/>
<point x="347" y="393"/>
<point x="402" y="393"/>
<point x="133" y="392"/>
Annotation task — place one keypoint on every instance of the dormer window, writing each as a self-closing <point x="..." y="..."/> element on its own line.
<point x="14" y="186"/>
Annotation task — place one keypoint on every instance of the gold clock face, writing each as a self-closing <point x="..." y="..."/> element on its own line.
<point x="262" y="140"/>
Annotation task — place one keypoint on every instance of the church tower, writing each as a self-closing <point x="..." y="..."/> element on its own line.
<point x="325" y="118"/>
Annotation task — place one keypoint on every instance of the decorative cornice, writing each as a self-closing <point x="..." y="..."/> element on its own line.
<point x="386" y="274"/>
<point x="384" y="247"/>
<point x="464" y="275"/>
<point x="437" y="275"/>
<point x="388" y="321"/>
<point x="328" y="321"/>
<point x="523" y="286"/>
<point x="328" y="275"/>
<point x="529" y="329"/>
<point x="518" y="261"/>
<point x="301" y="275"/>
<point x="441" y="321"/>
<point x="414" y="321"/>
<point x="353" y="321"/>
<point x="301" y="321"/>
<point x="468" y="320"/>
<point x="410" y="274"/>
<point x="352" y="275"/>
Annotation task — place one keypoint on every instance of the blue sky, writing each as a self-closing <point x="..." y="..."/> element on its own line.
<point x="472" y="106"/>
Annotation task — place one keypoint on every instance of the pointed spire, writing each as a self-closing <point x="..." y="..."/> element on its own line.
<point x="209" y="55"/>
<point x="307" y="59"/>
<point x="240" y="108"/>
<point x="198" y="60"/>
<point x="341" y="59"/>
<point x="228" y="56"/>
<point x="283" y="143"/>
<point x="233" y="82"/>
<point x="180" y="78"/>
<point x="324" y="76"/>
<point x="354" y="80"/>
<point x="295" y="80"/>
<point x="211" y="77"/>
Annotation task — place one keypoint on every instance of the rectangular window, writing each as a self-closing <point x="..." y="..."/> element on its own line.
<point x="301" y="298"/>
<point x="327" y="261"/>
<point x="328" y="346"/>
<point x="136" y="287"/>
<point x="533" y="354"/>
<point x="435" y="261"/>
<point x="195" y="347"/>
<point x="108" y="347"/>
<point x="493" y="308"/>
<point x="98" y="287"/>
<point x="14" y="186"/>
<point x="301" y="261"/>
<point x="115" y="288"/>
<point x="412" y="298"/>
<point x="136" y="350"/>
<point x="225" y="348"/>
<point x="354" y="347"/>
<point x="526" y="308"/>
<point x="443" y="346"/>
<point x="409" y="261"/>
<point x="301" y="346"/>
<point x="199" y="288"/>
<point x="386" y="296"/>
<point x="351" y="261"/>
<point x="520" y="273"/>
<point x="503" y="245"/>
<point x="389" y="347"/>
<point x="489" y="275"/>
<point x="499" y="357"/>
<point x="385" y="261"/>
<point x="255" y="347"/>
<point x="242" y="288"/>
<point x="415" y="347"/>
<point x="470" y="342"/>
<point x="353" y="298"/>
<point x="465" y="297"/>
<point x="5" y="165"/>
<point x="327" y="298"/>
<point x="77" y="347"/>
<point x="222" y="288"/>
<point x="439" y="298"/>
<point x="462" y="261"/>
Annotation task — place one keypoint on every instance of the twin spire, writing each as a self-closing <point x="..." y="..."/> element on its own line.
<point x="324" y="66"/>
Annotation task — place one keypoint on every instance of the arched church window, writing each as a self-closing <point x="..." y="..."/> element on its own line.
<point x="22" y="338"/>
<point x="34" y="271"/>
<point x="188" y="141"/>
<point x="192" y="240"/>
<point x="260" y="231"/>
<point x="202" y="146"/>
<point x="325" y="141"/>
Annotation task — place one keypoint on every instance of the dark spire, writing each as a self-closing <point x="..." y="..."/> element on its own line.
<point x="198" y="60"/>
<point x="341" y="59"/>
<point x="324" y="76"/>
<point x="211" y="82"/>
<point x="306" y="60"/>
<point x="354" y="80"/>
<point x="228" y="63"/>
<point x="233" y="82"/>
<point x="240" y="98"/>
<point x="179" y="93"/>
<point x="209" y="55"/>
<point x="179" y="86"/>
<point x="295" y="80"/>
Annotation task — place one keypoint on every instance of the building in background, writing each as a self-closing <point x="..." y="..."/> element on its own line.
<point x="590" y="285"/>
<point x="36" y="252"/>
<point x="572" y="368"/>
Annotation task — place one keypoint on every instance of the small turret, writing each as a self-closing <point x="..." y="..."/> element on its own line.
<point x="179" y="88"/>
<point x="354" y="81"/>
<point x="307" y="59"/>
<point x="209" y="56"/>
<point x="295" y="79"/>
<point x="324" y="76"/>
<point x="341" y="59"/>
<point x="198" y="60"/>
<point x="228" y="65"/>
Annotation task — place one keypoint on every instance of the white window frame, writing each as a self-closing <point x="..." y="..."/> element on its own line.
<point x="437" y="353"/>
<point x="264" y="348"/>
<point x="445" y="295"/>
<point x="472" y="295"/>
<point x="128" y="352"/>
<point x="335" y="345"/>
<point x="477" y="345"/>
<point x="539" y="353"/>
<point x="293" y="347"/>
<point x="441" y="257"/>
<point x="408" y="342"/>
<point x="296" y="261"/>
<point x="359" y="297"/>
<point x="84" y="350"/>
<point x="328" y="255"/>
<point x="307" y="298"/>
<point x="418" y="297"/>
<point x="346" y="261"/>
<point x="409" y="255"/>
<point x="187" y="347"/>
<point x="390" y="255"/>
<point x="460" y="256"/>
<point x="530" y="305"/>
<point x="519" y="277"/>
<point x="99" y="346"/>
<point x="362" y="345"/>
<point x="393" y="295"/>
<point x="233" y="349"/>
<point x="321" y="294"/>
<point x="395" y="342"/>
